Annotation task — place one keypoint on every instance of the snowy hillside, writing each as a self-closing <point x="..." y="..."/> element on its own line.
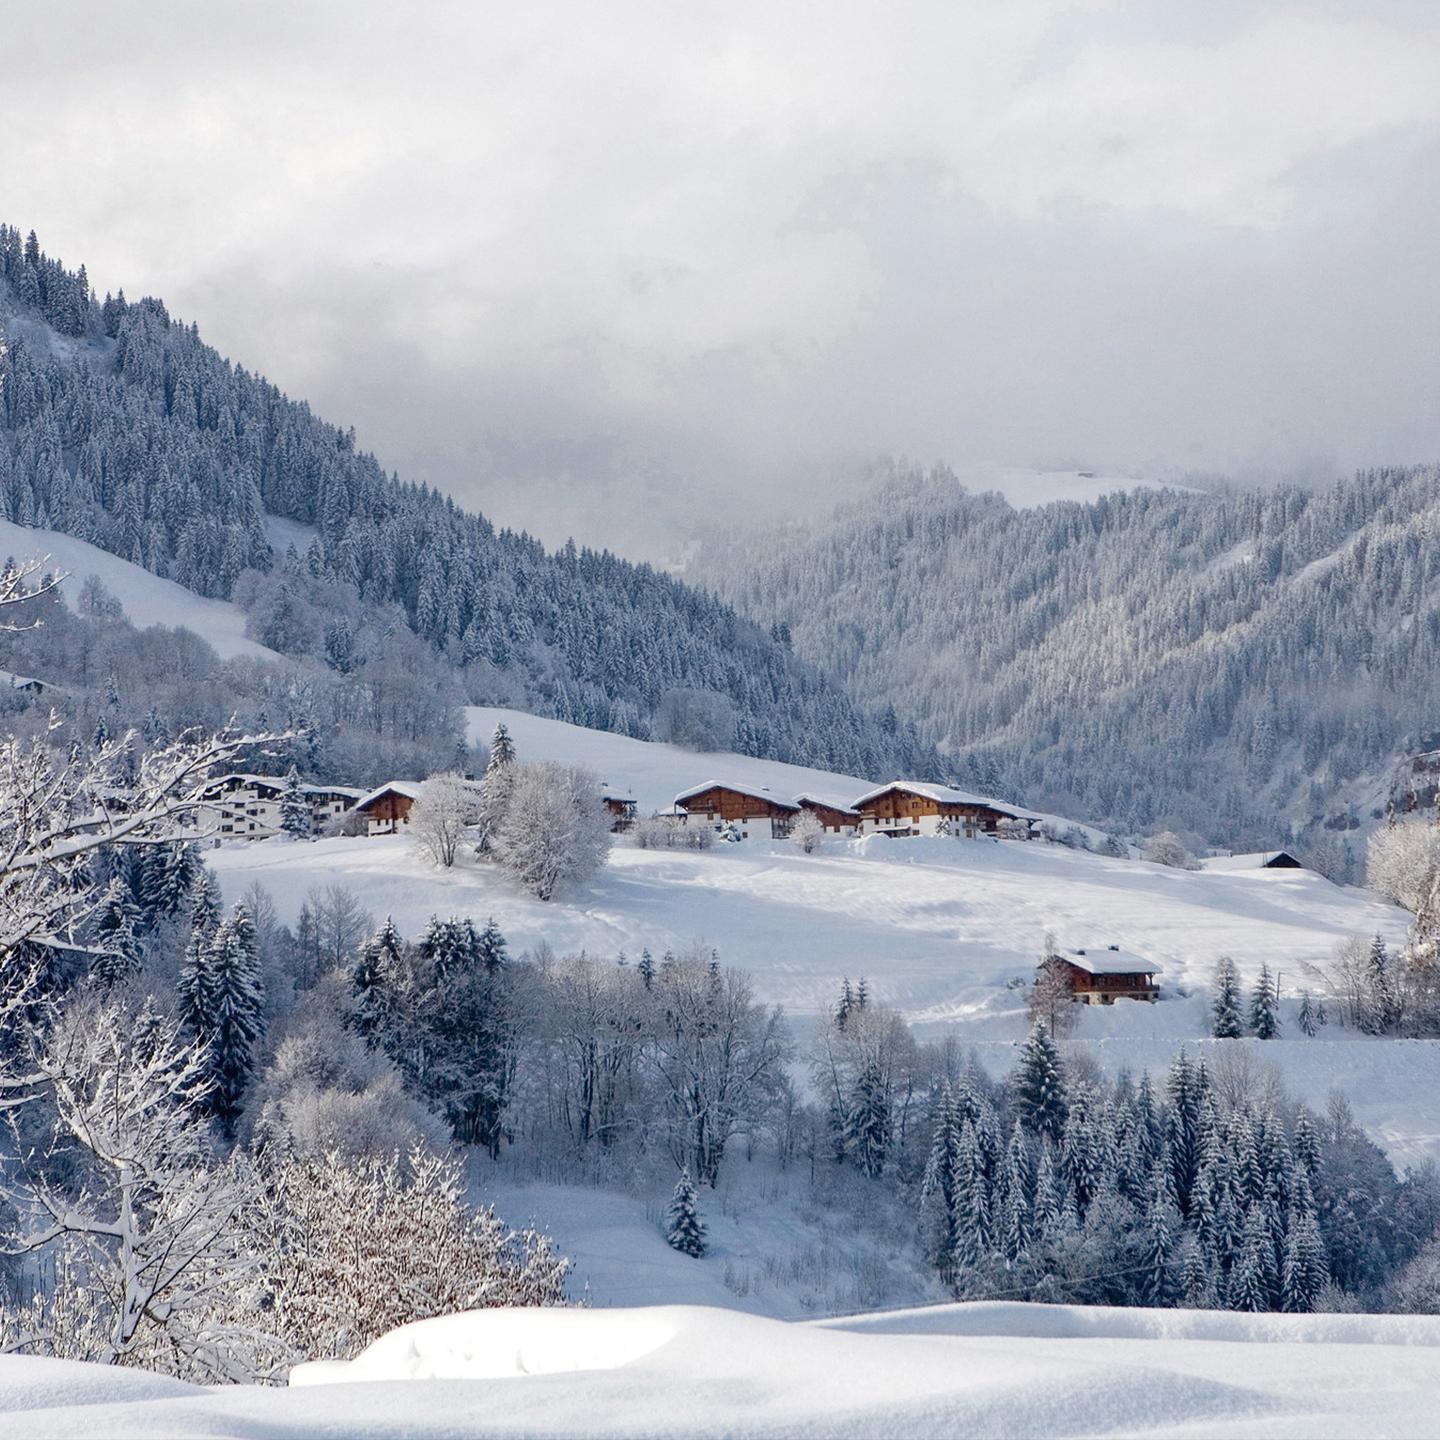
<point x="981" y="1369"/>
<point x="946" y="930"/>
<point x="146" y="598"/>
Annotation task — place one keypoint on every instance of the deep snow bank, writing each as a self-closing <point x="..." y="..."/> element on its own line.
<point x="971" y="1370"/>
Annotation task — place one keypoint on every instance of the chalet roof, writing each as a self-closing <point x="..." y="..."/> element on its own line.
<point x="278" y="784"/>
<point x="830" y="802"/>
<point x="410" y="789"/>
<point x="1251" y="860"/>
<point x="755" y="792"/>
<point x="1109" y="960"/>
<point x="946" y="795"/>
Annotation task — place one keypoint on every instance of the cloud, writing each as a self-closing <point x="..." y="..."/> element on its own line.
<point x="610" y="269"/>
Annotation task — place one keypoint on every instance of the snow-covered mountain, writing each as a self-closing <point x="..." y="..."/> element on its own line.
<point x="1245" y="666"/>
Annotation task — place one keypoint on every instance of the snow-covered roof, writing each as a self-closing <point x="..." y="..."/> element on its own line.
<point x="22" y="682"/>
<point x="1251" y="860"/>
<point x="410" y="789"/>
<point x="755" y="792"/>
<point x="946" y="795"/>
<point x="1109" y="960"/>
<point x="830" y="802"/>
<point x="349" y="791"/>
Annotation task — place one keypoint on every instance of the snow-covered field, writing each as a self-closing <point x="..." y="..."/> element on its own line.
<point x="147" y="599"/>
<point x="946" y="930"/>
<point x="984" y="1369"/>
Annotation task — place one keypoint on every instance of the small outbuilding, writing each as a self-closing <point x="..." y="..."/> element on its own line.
<point x="1254" y="860"/>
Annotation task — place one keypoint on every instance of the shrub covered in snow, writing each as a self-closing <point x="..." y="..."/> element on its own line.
<point x="354" y="1248"/>
<point x="556" y="831"/>
<point x="669" y="832"/>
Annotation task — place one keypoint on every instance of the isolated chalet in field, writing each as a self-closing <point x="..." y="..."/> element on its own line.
<point x="247" y="807"/>
<point x="751" y="810"/>
<point x="386" y="809"/>
<point x="909" y="807"/>
<point x="1257" y="860"/>
<point x="1100" y="977"/>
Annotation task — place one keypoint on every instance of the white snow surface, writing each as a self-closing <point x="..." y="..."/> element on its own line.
<point x="147" y="599"/>
<point x="981" y="1369"/>
<point x="947" y="930"/>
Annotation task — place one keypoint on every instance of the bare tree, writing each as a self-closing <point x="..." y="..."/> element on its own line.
<point x="807" y="833"/>
<point x="149" y="1229"/>
<point x="445" y="807"/>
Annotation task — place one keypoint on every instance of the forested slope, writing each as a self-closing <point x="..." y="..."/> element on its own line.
<point x="119" y="426"/>
<point x="1235" y="664"/>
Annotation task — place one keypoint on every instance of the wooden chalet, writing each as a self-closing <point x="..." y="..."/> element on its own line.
<point x="1100" y="977"/>
<point x="622" y="809"/>
<point x="386" y="809"/>
<point x="838" y="818"/>
<point x="749" y="810"/>
<point x="908" y="807"/>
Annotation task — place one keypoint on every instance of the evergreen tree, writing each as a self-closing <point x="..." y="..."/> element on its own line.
<point x="118" y="951"/>
<point x="1225" y="1001"/>
<point x="1196" y="1286"/>
<point x="1251" y="1279"/>
<point x="234" y="996"/>
<point x="867" y="1125"/>
<point x="174" y="869"/>
<point x="376" y="967"/>
<point x="1050" y="1199"/>
<point x="1264" y="1007"/>
<point x="1384" y="1006"/>
<point x="297" y="819"/>
<point x="1307" y="1019"/>
<point x="939" y="1221"/>
<point x="685" y="1229"/>
<point x="490" y="950"/>
<point x="646" y="969"/>
<point x="1161" y="1239"/>
<point x="1015" y="1211"/>
<point x="1038" y="1085"/>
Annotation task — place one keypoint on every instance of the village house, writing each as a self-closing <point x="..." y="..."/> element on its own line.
<point x="749" y="810"/>
<point x="836" y="817"/>
<point x="621" y="808"/>
<point x="908" y="807"/>
<point x="247" y="807"/>
<point x="386" y="809"/>
<point x="1100" y="977"/>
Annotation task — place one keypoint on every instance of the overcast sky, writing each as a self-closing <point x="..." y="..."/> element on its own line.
<point x="607" y="268"/>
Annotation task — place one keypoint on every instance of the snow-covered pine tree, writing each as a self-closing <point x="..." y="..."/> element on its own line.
<point x="236" y="1020"/>
<point x="495" y="786"/>
<point x="1162" y="1229"/>
<point x="171" y="875"/>
<point x="376" y="967"/>
<point x="974" y="1201"/>
<point x="938" y="1219"/>
<point x="491" y="948"/>
<point x="1225" y="1022"/>
<point x="685" y="1228"/>
<point x="1384" y="1004"/>
<point x="1264" y="1007"/>
<point x="1081" y="1151"/>
<point x="118" y="950"/>
<point x="1307" y="1018"/>
<point x="1197" y="1289"/>
<point x="297" y="819"/>
<point x="867" y="1124"/>
<point x="1038" y="1085"/>
<point x="1016" y="1225"/>
<point x="1050" y="1198"/>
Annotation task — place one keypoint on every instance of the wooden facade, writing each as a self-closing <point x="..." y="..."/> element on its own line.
<point x="1100" y="977"/>
<point x="621" y="809"/>
<point x="387" y="810"/>
<point x="838" y="819"/>
<point x="901" y="809"/>
<point x="748" y="811"/>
